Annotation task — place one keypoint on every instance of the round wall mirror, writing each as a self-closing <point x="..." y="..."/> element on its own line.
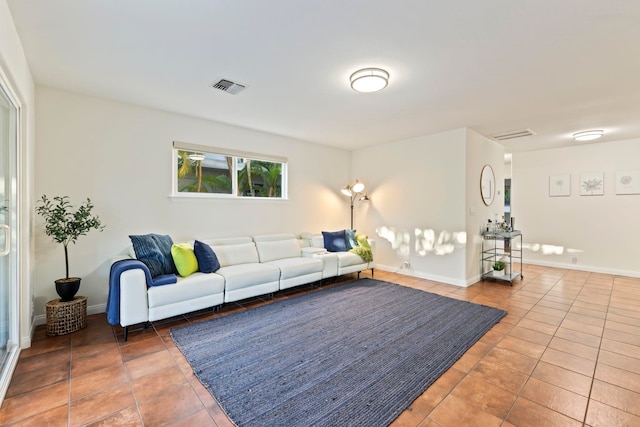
<point x="487" y="185"/>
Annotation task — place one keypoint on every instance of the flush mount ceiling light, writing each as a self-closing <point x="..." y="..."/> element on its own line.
<point x="196" y="157"/>
<point x="588" y="135"/>
<point x="369" y="80"/>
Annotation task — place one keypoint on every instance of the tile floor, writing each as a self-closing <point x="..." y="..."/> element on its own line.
<point x="568" y="353"/>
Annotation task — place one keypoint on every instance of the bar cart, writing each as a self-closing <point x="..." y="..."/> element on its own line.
<point x="503" y="246"/>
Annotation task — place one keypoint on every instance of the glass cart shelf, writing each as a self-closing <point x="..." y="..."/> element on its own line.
<point x="499" y="244"/>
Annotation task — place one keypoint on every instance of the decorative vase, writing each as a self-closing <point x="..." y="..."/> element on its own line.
<point x="498" y="273"/>
<point x="507" y="265"/>
<point x="67" y="288"/>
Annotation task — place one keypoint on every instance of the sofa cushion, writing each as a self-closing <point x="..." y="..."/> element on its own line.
<point x="294" y="267"/>
<point x="318" y="241"/>
<point x="184" y="258"/>
<point x="228" y="240"/>
<point x="241" y="276"/>
<point x="348" y="259"/>
<point x="195" y="286"/>
<point x="207" y="259"/>
<point x="278" y="249"/>
<point x="242" y="253"/>
<point x="154" y="250"/>
<point x="273" y="237"/>
<point x="335" y="241"/>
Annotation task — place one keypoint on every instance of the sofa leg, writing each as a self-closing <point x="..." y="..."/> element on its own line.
<point x="372" y="273"/>
<point x="358" y="274"/>
<point x="126" y="332"/>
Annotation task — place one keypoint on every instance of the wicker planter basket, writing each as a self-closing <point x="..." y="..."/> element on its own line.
<point x="66" y="317"/>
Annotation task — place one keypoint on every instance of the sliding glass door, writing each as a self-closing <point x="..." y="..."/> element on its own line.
<point x="8" y="219"/>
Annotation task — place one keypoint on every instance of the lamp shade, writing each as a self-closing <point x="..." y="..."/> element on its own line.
<point x="369" y="80"/>
<point x="346" y="191"/>
<point x="358" y="187"/>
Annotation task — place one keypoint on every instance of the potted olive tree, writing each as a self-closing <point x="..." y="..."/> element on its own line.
<point x="65" y="225"/>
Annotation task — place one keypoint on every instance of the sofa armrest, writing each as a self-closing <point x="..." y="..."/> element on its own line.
<point x="329" y="262"/>
<point x="309" y="251"/>
<point x="120" y="258"/>
<point x="134" y="306"/>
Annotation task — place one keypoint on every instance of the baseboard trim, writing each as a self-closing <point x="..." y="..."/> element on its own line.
<point x="477" y="278"/>
<point x="421" y="275"/>
<point x="588" y="268"/>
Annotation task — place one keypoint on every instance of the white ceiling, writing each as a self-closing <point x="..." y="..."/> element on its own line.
<point x="555" y="66"/>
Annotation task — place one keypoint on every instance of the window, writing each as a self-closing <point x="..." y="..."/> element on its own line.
<point x="259" y="178"/>
<point x="204" y="173"/>
<point x="201" y="171"/>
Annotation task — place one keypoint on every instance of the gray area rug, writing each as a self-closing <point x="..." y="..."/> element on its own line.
<point x="356" y="354"/>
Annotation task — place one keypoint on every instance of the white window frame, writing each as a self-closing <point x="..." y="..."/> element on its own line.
<point x="235" y="154"/>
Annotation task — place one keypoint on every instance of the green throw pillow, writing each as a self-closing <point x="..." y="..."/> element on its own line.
<point x="184" y="258"/>
<point x="363" y="249"/>
<point x="363" y="240"/>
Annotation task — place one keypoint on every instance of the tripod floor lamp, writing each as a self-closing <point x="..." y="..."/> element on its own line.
<point x="355" y="192"/>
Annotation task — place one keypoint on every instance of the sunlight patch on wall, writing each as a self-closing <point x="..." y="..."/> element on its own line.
<point x="444" y="244"/>
<point x="546" y="249"/>
<point x="427" y="241"/>
<point x="400" y="240"/>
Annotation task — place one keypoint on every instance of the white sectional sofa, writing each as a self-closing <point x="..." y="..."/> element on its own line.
<point x="249" y="266"/>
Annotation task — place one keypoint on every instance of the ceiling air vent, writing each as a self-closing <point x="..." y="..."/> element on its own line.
<point x="513" y="134"/>
<point x="228" y="86"/>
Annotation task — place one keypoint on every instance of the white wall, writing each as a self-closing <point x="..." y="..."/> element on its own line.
<point x="415" y="184"/>
<point x="16" y="70"/>
<point x="120" y="156"/>
<point x="481" y="151"/>
<point x="601" y="232"/>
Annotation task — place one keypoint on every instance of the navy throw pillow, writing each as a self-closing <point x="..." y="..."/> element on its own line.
<point x="207" y="259"/>
<point x="335" y="241"/>
<point x="154" y="250"/>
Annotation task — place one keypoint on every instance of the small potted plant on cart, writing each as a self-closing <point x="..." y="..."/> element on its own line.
<point x="498" y="268"/>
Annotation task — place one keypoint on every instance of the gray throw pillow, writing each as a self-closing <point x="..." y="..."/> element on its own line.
<point x="154" y="250"/>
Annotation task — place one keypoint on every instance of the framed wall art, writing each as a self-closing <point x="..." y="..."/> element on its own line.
<point x="559" y="185"/>
<point x="592" y="184"/>
<point x="628" y="182"/>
